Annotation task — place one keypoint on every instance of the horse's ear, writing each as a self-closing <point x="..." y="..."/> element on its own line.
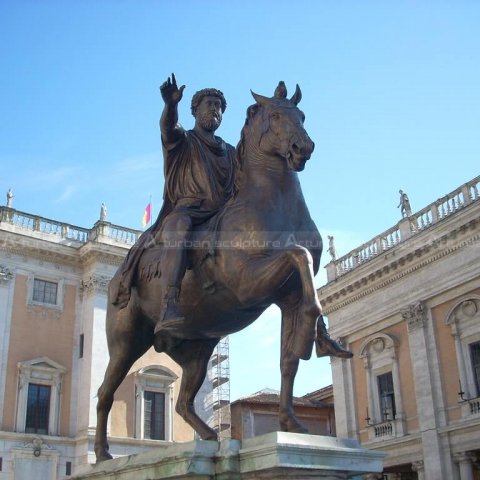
<point x="281" y="90"/>
<point x="297" y="96"/>
<point x="260" y="99"/>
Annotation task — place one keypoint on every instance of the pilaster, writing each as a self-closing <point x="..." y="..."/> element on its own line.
<point x="465" y="462"/>
<point x="416" y="317"/>
<point x="7" y="285"/>
<point x="93" y="290"/>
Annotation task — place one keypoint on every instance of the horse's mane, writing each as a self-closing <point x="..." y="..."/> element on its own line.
<point x="239" y="157"/>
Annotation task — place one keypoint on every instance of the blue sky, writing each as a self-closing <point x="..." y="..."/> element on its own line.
<point x="390" y="93"/>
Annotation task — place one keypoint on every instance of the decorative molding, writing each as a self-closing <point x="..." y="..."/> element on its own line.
<point x="418" y="466"/>
<point x="45" y="312"/>
<point x="95" y="284"/>
<point x="328" y="301"/>
<point x="415" y="316"/>
<point x="5" y="274"/>
<point x="465" y="457"/>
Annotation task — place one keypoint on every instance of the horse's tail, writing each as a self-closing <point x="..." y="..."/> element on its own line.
<point x="298" y="332"/>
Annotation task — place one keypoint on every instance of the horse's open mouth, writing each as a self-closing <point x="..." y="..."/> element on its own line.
<point x="296" y="158"/>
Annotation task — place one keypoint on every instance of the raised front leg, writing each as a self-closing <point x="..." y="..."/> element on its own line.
<point x="260" y="278"/>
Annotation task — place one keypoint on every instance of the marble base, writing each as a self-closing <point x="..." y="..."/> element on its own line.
<point x="277" y="455"/>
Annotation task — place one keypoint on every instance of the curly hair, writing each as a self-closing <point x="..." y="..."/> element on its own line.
<point x="197" y="98"/>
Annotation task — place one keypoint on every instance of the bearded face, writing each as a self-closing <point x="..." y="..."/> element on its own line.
<point x="209" y="121"/>
<point x="208" y="114"/>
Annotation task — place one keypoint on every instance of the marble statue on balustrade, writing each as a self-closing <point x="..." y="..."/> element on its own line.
<point x="404" y="204"/>
<point x="9" y="198"/>
<point x="234" y="236"/>
<point x="331" y="247"/>
<point x="103" y="213"/>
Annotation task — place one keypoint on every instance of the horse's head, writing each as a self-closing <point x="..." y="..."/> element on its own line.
<point x="275" y="127"/>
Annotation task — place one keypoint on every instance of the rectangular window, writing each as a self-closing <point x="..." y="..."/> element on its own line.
<point x="68" y="469"/>
<point x="387" y="396"/>
<point x="38" y="408"/>
<point x="82" y="342"/>
<point x="475" y="356"/>
<point x="154" y="423"/>
<point x="45" y="292"/>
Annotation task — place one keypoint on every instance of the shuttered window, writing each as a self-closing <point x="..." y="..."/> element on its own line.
<point x="154" y="415"/>
<point x="475" y="356"/>
<point x="38" y="409"/>
<point x="387" y="396"/>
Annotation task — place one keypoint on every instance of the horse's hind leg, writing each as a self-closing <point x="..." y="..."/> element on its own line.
<point x="289" y="367"/>
<point x="193" y="357"/>
<point x="125" y="345"/>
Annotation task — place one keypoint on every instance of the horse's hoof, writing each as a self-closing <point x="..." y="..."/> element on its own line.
<point x="103" y="456"/>
<point x="292" y="425"/>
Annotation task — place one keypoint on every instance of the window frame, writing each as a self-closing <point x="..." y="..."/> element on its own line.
<point x="44" y="292"/>
<point x="157" y="379"/>
<point x="39" y="371"/>
<point x="463" y="319"/>
<point x="38" y="417"/>
<point x="475" y="367"/>
<point x="378" y="352"/>
<point x="156" y="396"/>
<point x="60" y="282"/>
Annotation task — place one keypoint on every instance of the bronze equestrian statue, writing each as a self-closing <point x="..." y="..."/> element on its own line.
<point x="260" y="248"/>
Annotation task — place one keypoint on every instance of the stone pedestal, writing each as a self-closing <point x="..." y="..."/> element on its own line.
<point x="277" y="455"/>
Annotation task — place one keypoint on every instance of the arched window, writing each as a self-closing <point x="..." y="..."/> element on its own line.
<point x="385" y="410"/>
<point x="154" y="403"/>
<point x="464" y="320"/>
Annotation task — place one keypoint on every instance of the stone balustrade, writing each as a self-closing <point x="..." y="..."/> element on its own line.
<point x="27" y="223"/>
<point x="406" y="228"/>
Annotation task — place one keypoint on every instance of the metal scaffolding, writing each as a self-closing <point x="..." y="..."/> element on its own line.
<point x="219" y="398"/>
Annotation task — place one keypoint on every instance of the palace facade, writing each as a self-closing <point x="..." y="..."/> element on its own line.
<point x="407" y="304"/>
<point x="53" y="353"/>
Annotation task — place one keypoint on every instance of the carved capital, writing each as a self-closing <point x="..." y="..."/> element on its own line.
<point x="418" y="466"/>
<point x="415" y="316"/>
<point x="465" y="457"/>
<point x="95" y="284"/>
<point x="5" y="274"/>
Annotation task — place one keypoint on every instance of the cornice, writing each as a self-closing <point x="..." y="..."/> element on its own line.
<point x="371" y="277"/>
<point x="40" y="250"/>
<point x="73" y="254"/>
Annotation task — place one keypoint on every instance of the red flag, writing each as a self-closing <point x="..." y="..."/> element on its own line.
<point x="147" y="215"/>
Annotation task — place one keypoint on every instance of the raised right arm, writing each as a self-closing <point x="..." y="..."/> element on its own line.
<point x="171" y="95"/>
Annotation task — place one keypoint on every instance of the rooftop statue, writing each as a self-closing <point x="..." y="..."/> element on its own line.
<point x="404" y="204"/>
<point x="234" y="236"/>
<point x="9" y="198"/>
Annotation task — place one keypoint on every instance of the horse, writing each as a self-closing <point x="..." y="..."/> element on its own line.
<point x="265" y="250"/>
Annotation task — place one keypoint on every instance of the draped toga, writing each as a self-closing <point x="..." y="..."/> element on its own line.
<point x="199" y="178"/>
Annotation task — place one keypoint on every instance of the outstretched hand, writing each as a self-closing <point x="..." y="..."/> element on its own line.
<point x="171" y="94"/>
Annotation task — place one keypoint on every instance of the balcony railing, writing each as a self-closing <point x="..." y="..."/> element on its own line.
<point x="406" y="228"/>
<point x="59" y="231"/>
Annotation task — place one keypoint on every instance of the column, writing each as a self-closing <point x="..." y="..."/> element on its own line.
<point x="416" y="317"/>
<point x="465" y="463"/>
<point x="95" y="360"/>
<point x="345" y="415"/>
<point x="6" y="300"/>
